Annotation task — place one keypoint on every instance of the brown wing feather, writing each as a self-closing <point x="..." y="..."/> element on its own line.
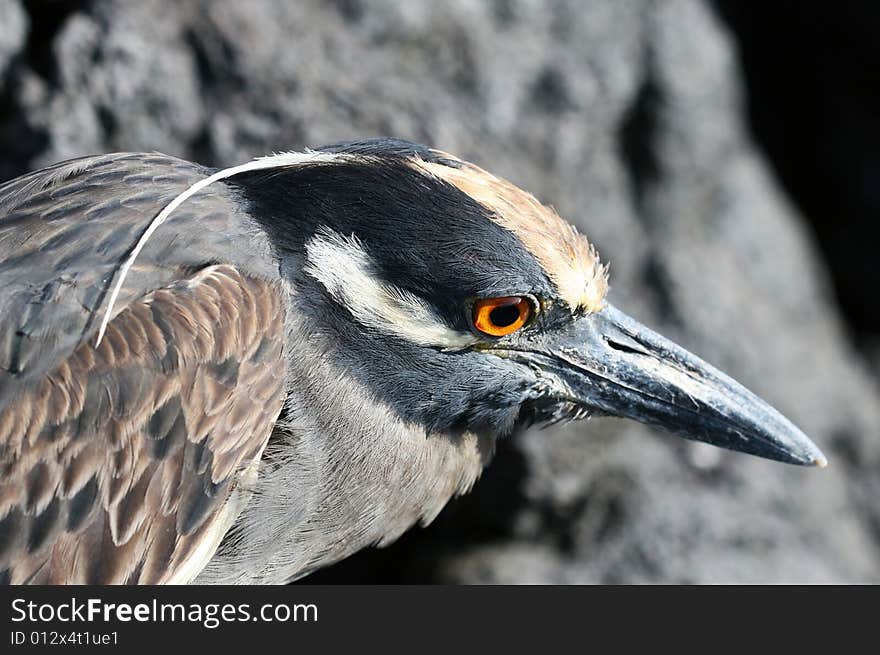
<point x="116" y="466"/>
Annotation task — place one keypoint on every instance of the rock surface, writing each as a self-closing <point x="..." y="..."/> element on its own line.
<point x="13" y="33"/>
<point x="628" y="117"/>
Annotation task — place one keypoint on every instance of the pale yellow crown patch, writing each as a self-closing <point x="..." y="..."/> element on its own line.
<point x="569" y="260"/>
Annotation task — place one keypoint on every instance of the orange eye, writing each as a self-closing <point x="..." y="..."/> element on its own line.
<point x="499" y="317"/>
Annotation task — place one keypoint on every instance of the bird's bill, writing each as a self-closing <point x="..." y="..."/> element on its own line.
<point x="614" y="365"/>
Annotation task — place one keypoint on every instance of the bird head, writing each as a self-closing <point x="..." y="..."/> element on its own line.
<point x="462" y="303"/>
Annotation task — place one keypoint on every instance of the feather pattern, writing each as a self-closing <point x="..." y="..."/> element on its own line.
<point x="115" y="466"/>
<point x="123" y="462"/>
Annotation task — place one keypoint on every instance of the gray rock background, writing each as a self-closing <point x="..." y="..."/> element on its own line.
<point x="627" y="116"/>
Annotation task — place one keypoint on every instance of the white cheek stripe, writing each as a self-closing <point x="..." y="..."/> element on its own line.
<point x="340" y="263"/>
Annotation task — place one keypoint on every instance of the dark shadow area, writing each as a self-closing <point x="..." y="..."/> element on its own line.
<point x="812" y="74"/>
<point x="20" y="142"/>
<point x="46" y="19"/>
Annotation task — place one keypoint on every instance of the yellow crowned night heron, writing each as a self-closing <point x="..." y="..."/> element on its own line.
<point x="242" y="375"/>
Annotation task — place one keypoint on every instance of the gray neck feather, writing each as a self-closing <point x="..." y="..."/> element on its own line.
<point x="341" y="472"/>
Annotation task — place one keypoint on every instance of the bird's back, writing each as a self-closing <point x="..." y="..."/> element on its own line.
<point x="64" y="231"/>
<point x="118" y="460"/>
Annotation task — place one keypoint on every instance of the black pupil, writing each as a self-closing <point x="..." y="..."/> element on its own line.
<point x="504" y="316"/>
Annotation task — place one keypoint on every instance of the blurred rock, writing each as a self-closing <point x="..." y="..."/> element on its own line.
<point x="13" y="31"/>
<point x="626" y="116"/>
